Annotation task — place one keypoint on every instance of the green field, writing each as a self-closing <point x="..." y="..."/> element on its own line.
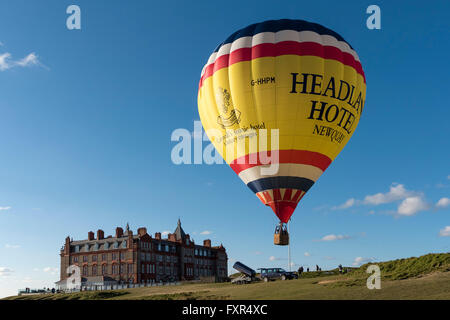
<point x="426" y="277"/>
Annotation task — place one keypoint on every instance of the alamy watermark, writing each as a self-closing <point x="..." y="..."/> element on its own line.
<point x="374" y="280"/>
<point x="190" y="147"/>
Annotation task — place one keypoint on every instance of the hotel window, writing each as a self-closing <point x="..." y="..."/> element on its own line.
<point x="94" y="257"/>
<point x="159" y="246"/>
<point x="130" y="268"/>
<point x="77" y="248"/>
<point x="143" y="268"/>
<point x="104" y="269"/>
<point x="85" y="271"/>
<point x="85" y="258"/>
<point x="113" y="256"/>
<point x="124" y="244"/>
<point x="106" y="246"/>
<point x="104" y="257"/>
<point x="86" y="247"/>
<point x="114" y="269"/>
<point x="122" y="268"/>
<point x="75" y="259"/>
<point x="116" y="245"/>
<point x="94" y="270"/>
<point x="96" y="247"/>
<point x="147" y="256"/>
<point x="122" y="256"/>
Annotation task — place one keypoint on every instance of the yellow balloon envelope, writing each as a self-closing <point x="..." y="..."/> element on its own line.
<point x="279" y="100"/>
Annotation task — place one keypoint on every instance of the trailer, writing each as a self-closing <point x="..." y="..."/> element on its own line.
<point x="248" y="275"/>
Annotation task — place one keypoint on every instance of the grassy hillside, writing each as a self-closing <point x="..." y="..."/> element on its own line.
<point x="425" y="277"/>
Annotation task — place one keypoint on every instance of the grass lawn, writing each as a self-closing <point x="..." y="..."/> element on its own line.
<point x="432" y="286"/>
<point x="425" y="277"/>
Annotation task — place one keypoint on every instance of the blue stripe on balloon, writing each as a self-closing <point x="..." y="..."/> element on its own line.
<point x="269" y="183"/>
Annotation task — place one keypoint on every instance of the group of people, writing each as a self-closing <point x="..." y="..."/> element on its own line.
<point x="301" y="269"/>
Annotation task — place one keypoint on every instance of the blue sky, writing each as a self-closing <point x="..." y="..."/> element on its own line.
<point x="87" y="115"/>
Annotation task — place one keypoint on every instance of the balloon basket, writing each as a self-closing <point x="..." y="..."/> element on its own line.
<point x="281" y="235"/>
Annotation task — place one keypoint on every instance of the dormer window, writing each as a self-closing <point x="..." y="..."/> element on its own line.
<point x="116" y="245"/>
<point x="106" y="246"/>
<point x="124" y="244"/>
<point x="77" y="248"/>
<point x="86" y="247"/>
<point x="96" y="247"/>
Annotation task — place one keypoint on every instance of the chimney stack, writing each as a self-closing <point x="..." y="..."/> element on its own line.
<point x="90" y="235"/>
<point x="119" y="232"/>
<point x="141" y="231"/>
<point x="100" y="234"/>
<point x="158" y="235"/>
<point x="172" y="237"/>
<point x="207" y="243"/>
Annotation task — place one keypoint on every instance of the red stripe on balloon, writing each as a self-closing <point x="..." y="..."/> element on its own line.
<point x="280" y="49"/>
<point x="312" y="158"/>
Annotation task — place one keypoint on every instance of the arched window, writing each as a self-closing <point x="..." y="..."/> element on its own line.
<point x="104" y="269"/>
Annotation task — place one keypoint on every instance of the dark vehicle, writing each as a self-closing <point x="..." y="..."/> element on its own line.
<point x="276" y="273"/>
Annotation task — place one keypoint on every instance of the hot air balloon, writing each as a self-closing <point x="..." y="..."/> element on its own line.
<point x="296" y="85"/>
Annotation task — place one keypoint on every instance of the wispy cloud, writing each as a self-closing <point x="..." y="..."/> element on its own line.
<point x="307" y="254"/>
<point x="50" y="270"/>
<point x="206" y="232"/>
<point x="273" y="258"/>
<point x="445" y="232"/>
<point x="4" y="208"/>
<point x="5" y="272"/>
<point x="360" y="261"/>
<point x="347" y="204"/>
<point x="334" y="237"/>
<point x="165" y="233"/>
<point x="12" y="246"/>
<point x="6" y="62"/>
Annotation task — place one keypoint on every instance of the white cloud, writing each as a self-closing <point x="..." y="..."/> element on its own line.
<point x="50" y="270"/>
<point x="443" y="203"/>
<point x="307" y="254"/>
<point x="360" y="260"/>
<point x="206" y="232"/>
<point x="448" y="177"/>
<point x="273" y="258"/>
<point x="445" y="232"/>
<point x="334" y="237"/>
<point x="30" y="60"/>
<point x="165" y="233"/>
<point x="411" y="205"/>
<point x="347" y="204"/>
<point x="4" y="61"/>
<point x="396" y="192"/>
<point x="4" y="272"/>
<point x="12" y="246"/>
<point x="4" y="208"/>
